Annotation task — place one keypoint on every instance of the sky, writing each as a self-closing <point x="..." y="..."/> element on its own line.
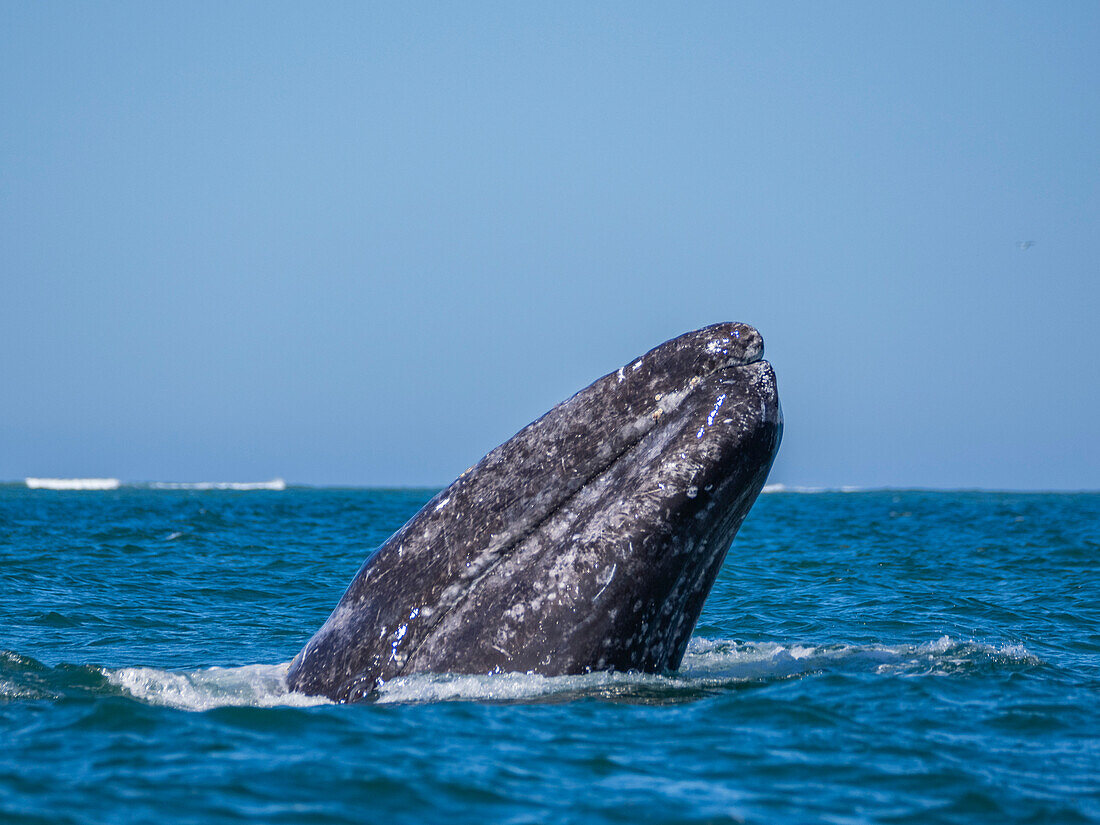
<point x="362" y="244"/>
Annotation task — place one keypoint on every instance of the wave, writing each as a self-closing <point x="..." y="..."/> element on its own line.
<point x="274" y="484"/>
<point x="247" y="686"/>
<point x="711" y="666"/>
<point x="846" y="488"/>
<point x="73" y="483"/>
<point x="115" y="484"/>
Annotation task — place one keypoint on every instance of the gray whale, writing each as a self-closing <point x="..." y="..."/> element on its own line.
<point x="587" y="541"/>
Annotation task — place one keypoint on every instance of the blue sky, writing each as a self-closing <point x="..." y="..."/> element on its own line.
<point x="365" y="243"/>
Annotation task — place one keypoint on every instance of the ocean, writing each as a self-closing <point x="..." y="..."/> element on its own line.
<point x="876" y="656"/>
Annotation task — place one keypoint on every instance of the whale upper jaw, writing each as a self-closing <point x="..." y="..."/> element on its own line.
<point x="587" y="541"/>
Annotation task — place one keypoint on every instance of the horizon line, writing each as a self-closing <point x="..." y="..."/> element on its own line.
<point x="106" y="484"/>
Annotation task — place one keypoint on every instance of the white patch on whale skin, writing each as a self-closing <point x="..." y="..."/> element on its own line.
<point x="717" y="345"/>
<point x="717" y="406"/>
<point x="710" y="418"/>
<point x="668" y="402"/>
<point x="605" y="581"/>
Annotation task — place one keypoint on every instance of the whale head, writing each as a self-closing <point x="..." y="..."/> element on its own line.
<point x="587" y="541"/>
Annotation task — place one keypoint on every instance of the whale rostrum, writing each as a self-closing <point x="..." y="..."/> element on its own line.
<point x="587" y="541"/>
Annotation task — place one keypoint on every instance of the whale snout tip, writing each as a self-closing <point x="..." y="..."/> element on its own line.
<point x="733" y="344"/>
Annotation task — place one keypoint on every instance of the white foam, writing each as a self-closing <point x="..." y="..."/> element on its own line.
<point x="946" y="655"/>
<point x="73" y="483"/>
<point x="710" y="664"/>
<point x="250" y="685"/>
<point x="11" y="690"/>
<point x="274" y="484"/>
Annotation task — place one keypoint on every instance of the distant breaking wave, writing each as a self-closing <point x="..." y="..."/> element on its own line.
<point x="274" y="484"/>
<point x="783" y="488"/>
<point x="73" y="483"/>
<point x="114" y="484"/>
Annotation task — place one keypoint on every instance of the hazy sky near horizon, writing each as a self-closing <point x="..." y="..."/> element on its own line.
<point x="365" y="243"/>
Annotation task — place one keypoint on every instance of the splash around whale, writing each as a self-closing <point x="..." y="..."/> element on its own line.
<point x="588" y="541"/>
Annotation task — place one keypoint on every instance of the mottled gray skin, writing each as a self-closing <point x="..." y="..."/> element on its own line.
<point x="588" y="541"/>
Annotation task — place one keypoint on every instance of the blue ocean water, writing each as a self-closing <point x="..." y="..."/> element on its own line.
<point x="864" y="657"/>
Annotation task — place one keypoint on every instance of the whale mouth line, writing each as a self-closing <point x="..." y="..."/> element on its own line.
<point x="737" y="365"/>
<point x="738" y="361"/>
